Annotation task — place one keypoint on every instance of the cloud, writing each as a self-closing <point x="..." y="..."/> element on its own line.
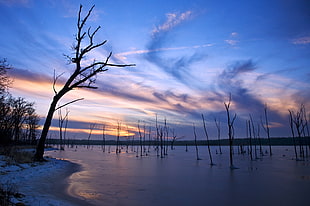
<point x="124" y="54"/>
<point x="302" y="40"/>
<point x="180" y="65"/>
<point x="231" y="81"/>
<point x="231" y="42"/>
<point x="28" y="75"/>
<point x="173" y="19"/>
<point x="234" y="34"/>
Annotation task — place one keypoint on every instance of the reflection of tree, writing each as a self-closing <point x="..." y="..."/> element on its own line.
<point x="84" y="75"/>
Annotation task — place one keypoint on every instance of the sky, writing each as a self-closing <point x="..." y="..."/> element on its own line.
<point x="190" y="56"/>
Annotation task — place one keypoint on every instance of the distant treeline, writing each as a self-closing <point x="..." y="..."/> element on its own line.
<point x="224" y="142"/>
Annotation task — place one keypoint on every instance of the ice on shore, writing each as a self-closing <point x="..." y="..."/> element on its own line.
<point x="35" y="180"/>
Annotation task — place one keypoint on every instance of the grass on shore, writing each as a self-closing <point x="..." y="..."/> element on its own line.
<point x="18" y="154"/>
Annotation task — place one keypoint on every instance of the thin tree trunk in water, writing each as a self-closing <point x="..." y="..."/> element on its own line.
<point x="267" y="130"/>
<point x="293" y="133"/>
<point x="218" y="126"/>
<point x="250" y="138"/>
<point x="254" y="137"/>
<point x="205" y="129"/>
<point x="140" y="135"/>
<point x="196" y="146"/>
<point x="103" y="137"/>
<point x="230" y="123"/>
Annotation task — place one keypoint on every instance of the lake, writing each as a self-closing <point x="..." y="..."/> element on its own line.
<point x="108" y="178"/>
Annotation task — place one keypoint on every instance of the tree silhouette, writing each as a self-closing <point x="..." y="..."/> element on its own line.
<point x="4" y="79"/>
<point x="84" y="75"/>
<point x="230" y="124"/>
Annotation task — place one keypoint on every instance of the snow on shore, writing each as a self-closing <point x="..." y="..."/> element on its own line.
<point x="41" y="183"/>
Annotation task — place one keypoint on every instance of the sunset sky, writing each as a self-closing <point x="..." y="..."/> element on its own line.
<point x="189" y="56"/>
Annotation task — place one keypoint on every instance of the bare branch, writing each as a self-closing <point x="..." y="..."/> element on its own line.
<point x="69" y="103"/>
<point x="87" y="86"/>
<point x="55" y="81"/>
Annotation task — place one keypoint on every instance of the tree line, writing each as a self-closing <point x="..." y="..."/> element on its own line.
<point x="18" y="118"/>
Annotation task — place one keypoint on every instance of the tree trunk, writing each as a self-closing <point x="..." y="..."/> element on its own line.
<point x="40" y="147"/>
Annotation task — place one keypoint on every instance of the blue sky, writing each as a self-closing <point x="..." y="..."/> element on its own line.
<point x="189" y="56"/>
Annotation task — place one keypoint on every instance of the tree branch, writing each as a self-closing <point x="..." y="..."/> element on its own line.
<point x="68" y="103"/>
<point x="55" y="80"/>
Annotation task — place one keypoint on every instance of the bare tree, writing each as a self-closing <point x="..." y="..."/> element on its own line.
<point x="62" y="122"/>
<point x="251" y="126"/>
<point x="208" y="143"/>
<point x="266" y="128"/>
<point x="297" y="120"/>
<point x="196" y="145"/>
<point x="140" y="135"/>
<point x="230" y="124"/>
<point x="118" y="150"/>
<point x="84" y="76"/>
<point x="249" y="135"/>
<point x="5" y="81"/>
<point x="103" y="137"/>
<point x="91" y="128"/>
<point x="293" y="133"/>
<point x="218" y="127"/>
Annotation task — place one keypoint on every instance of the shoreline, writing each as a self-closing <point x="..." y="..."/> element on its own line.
<point x="41" y="183"/>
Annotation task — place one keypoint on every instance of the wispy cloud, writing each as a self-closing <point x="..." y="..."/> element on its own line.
<point x="234" y="34"/>
<point x="231" y="81"/>
<point x="124" y="55"/>
<point x="172" y="20"/>
<point x="177" y="66"/>
<point x="301" y="40"/>
<point x="231" y="42"/>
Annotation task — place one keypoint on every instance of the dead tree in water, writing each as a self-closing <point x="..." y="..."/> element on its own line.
<point x="230" y="124"/>
<point x="103" y="137"/>
<point x="83" y="76"/>
<point x="208" y="143"/>
<point x="166" y="136"/>
<point x="254" y="135"/>
<point x="293" y="133"/>
<point x="218" y="127"/>
<point x="61" y="121"/>
<point x="157" y="136"/>
<point x="266" y="128"/>
<point x="297" y="120"/>
<point x="149" y="146"/>
<point x="118" y="150"/>
<point x="91" y="128"/>
<point x="140" y="135"/>
<point x="306" y="131"/>
<point x="249" y="135"/>
<point x="196" y="146"/>
<point x="161" y="136"/>
<point x="174" y="137"/>
<point x="259" y="140"/>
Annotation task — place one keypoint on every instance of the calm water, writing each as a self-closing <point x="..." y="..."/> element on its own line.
<point x="180" y="179"/>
